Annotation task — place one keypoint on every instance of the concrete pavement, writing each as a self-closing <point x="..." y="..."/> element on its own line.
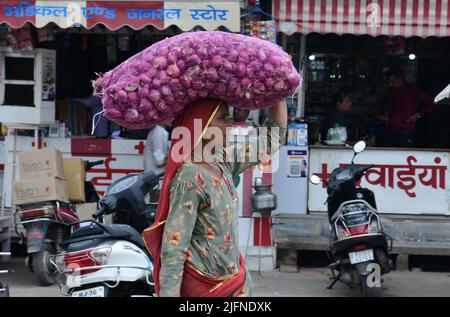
<point x="313" y="282"/>
<point x="306" y="282"/>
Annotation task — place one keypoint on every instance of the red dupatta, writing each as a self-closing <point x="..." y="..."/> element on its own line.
<point x="194" y="282"/>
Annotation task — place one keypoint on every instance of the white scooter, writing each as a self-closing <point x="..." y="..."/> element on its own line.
<point x="102" y="260"/>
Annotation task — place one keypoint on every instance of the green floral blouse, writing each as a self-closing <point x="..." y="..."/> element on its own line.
<point x="202" y="224"/>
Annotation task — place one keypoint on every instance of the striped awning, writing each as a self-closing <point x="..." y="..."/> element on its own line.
<point x="114" y="14"/>
<point x="407" y="18"/>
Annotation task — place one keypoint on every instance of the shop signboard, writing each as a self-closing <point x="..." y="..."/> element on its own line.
<point x="115" y="14"/>
<point x="404" y="181"/>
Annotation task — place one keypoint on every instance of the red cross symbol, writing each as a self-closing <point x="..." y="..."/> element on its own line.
<point x="140" y="147"/>
<point x="39" y="144"/>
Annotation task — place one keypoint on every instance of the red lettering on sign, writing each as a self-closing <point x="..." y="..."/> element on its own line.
<point x="407" y="175"/>
<point x="39" y="144"/>
<point x="107" y="173"/>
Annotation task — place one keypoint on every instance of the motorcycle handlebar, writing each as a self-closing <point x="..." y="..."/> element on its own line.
<point x="100" y="212"/>
<point x="333" y="192"/>
<point x="361" y="172"/>
<point x="89" y="165"/>
<point x="365" y="169"/>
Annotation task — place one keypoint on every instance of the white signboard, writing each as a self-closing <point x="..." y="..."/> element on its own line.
<point x="404" y="182"/>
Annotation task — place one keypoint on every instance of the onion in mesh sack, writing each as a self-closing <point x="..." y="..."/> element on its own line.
<point x="157" y="83"/>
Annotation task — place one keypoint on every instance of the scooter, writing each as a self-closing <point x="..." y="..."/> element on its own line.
<point x="359" y="248"/>
<point x="47" y="224"/>
<point x="4" y="289"/>
<point x="100" y="260"/>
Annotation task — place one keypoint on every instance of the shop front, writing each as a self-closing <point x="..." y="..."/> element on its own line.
<point x="89" y="37"/>
<point x="50" y="52"/>
<point x="348" y="46"/>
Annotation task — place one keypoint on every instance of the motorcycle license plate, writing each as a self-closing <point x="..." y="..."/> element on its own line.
<point x="90" y="292"/>
<point x="361" y="256"/>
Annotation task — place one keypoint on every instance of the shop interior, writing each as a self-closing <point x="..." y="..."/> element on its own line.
<point x="357" y="65"/>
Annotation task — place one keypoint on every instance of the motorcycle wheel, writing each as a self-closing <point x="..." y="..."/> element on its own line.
<point x="43" y="269"/>
<point x="366" y="289"/>
<point x="4" y="290"/>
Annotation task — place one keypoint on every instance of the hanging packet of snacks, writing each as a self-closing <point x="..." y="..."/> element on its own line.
<point x="111" y="49"/>
<point x="124" y="42"/>
<point x="264" y="30"/>
<point x="45" y="34"/>
<point x="20" y="39"/>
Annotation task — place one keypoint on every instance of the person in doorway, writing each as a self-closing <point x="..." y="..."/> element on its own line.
<point x="400" y="109"/>
<point x="157" y="148"/>
<point x="338" y="115"/>
<point x="240" y="115"/>
<point x="303" y="167"/>
<point x="101" y="124"/>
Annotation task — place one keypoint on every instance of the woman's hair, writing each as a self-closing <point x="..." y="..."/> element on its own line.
<point x="395" y="71"/>
<point x="338" y="96"/>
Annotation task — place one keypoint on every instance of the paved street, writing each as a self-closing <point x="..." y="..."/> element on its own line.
<point x="306" y="282"/>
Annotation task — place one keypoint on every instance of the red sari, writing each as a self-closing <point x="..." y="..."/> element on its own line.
<point x="194" y="283"/>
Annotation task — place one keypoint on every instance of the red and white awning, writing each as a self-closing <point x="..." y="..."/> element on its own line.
<point x="407" y="18"/>
<point x="185" y="14"/>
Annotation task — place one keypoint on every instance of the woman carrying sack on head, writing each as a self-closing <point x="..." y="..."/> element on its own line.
<point x="194" y="240"/>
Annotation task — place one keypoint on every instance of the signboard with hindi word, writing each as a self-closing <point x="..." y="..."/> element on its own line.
<point x="115" y="14"/>
<point x="404" y="181"/>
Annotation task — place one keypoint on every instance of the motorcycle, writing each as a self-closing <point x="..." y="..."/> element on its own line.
<point x="359" y="248"/>
<point x="100" y="260"/>
<point x="47" y="224"/>
<point x="4" y="289"/>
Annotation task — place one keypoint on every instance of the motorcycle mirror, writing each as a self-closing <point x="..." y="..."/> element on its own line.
<point x="359" y="147"/>
<point x="314" y="179"/>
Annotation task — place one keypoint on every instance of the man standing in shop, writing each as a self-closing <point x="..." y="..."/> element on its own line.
<point x="400" y="109"/>
<point x="338" y="115"/>
<point x="157" y="148"/>
<point x="240" y="115"/>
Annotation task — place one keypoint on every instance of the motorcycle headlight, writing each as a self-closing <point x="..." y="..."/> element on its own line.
<point x="101" y="255"/>
<point x="342" y="232"/>
<point x="354" y="208"/>
<point x="355" y="219"/>
<point x="373" y="227"/>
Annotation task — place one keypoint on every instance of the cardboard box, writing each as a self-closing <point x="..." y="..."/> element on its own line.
<point x="75" y="175"/>
<point x="37" y="190"/>
<point x="85" y="211"/>
<point x="41" y="163"/>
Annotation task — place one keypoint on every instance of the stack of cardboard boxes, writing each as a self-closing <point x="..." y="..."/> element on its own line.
<point x="46" y="176"/>
<point x="42" y="177"/>
<point x="75" y="173"/>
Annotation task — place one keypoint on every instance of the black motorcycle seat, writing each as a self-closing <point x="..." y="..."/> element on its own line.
<point x="96" y="233"/>
<point x="127" y="233"/>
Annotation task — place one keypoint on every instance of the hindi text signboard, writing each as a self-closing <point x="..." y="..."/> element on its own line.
<point x="404" y="181"/>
